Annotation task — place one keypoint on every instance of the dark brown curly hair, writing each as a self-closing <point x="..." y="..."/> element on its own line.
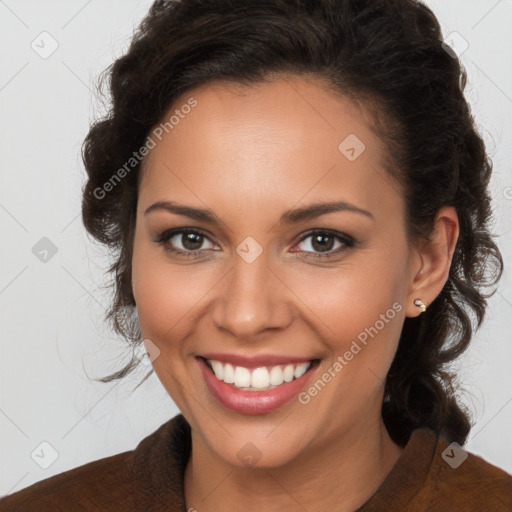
<point x="388" y="54"/>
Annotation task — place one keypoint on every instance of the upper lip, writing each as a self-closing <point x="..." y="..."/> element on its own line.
<point x="255" y="361"/>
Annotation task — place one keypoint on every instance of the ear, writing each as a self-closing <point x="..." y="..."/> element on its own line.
<point x="431" y="260"/>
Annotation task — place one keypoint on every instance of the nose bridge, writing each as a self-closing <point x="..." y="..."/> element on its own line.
<point x="251" y="298"/>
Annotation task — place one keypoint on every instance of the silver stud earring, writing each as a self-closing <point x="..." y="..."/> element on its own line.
<point x="420" y="304"/>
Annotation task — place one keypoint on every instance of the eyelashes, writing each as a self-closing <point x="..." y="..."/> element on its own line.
<point x="319" y="236"/>
<point x="192" y="234"/>
<point x="192" y="241"/>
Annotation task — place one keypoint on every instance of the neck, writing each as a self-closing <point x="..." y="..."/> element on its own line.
<point x="337" y="474"/>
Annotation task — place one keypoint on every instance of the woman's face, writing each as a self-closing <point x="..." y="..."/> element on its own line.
<point x="264" y="275"/>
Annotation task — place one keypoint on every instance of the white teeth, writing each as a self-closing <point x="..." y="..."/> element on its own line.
<point x="301" y="370"/>
<point x="288" y="373"/>
<point x="229" y="374"/>
<point x="218" y="369"/>
<point x="258" y="378"/>
<point x="242" y="377"/>
<point x="276" y="376"/>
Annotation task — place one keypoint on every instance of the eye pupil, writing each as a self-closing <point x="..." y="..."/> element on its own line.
<point x="194" y="239"/>
<point x="319" y="242"/>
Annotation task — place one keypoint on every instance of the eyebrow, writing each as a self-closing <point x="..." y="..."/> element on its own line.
<point x="289" y="217"/>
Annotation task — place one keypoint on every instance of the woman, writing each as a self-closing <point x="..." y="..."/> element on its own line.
<point x="297" y="199"/>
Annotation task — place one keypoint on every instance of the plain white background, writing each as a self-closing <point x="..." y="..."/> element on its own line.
<point x="53" y="339"/>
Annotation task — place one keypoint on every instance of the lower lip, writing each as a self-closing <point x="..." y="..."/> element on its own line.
<point x="252" y="402"/>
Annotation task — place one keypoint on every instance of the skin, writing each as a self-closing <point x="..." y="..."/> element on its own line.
<point x="248" y="154"/>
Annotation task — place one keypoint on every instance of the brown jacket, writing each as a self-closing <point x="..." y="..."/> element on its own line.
<point x="150" y="478"/>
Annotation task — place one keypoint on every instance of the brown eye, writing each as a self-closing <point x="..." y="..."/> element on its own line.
<point x="191" y="241"/>
<point x="325" y="243"/>
<point x="186" y="242"/>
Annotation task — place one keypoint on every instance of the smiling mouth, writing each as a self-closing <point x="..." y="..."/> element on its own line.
<point x="263" y="378"/>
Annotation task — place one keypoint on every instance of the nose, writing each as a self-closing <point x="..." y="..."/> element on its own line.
<point x="251" y="299"/>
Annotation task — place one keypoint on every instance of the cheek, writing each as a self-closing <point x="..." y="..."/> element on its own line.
<point x="359" y="309"/>
<point x="164" y="293"/>
<point x="161" y="301"/>
<point x="349" y="298"/>
<point x="155" y="296"/>
<point x="165" y="297"/>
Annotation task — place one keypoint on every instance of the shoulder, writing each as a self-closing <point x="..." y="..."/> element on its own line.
<point x="462" y="481"/>
<point x="84" y="485"/>
<point x="434" y="475"/>
<point x="144" y="478"/>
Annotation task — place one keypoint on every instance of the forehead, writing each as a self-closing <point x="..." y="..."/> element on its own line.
<point x="268" y="144"/>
